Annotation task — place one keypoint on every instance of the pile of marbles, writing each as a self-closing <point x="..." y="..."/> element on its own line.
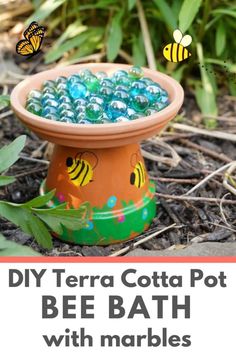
<point x="87" y="98"/>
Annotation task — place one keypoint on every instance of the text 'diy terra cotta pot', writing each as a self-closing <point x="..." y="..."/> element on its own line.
<point x="116" y="183"/>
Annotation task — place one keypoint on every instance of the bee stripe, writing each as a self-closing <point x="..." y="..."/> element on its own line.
<point x="177" y="53"/>
<point x="139" y="177"/>
<point x="85" y="175"/>
<point x="185" y="53"/>
<point x="142" y="172"/>
<point x="180" y="53"/>
<point x="171" y="52"/>
<point x="80" y="171"/>
<point x="77" y="164"/>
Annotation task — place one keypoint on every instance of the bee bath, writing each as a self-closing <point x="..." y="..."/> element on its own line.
<point x="100" y="163"/>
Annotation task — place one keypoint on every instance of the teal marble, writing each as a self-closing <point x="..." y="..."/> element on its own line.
<point x="107" y="83"/>
<point x="121" y="95"/>
<point x="101" y="75"/>
<point x="122" y="119"/>
<point x="51" y="103"/>
<point x="34" y="108"/>
<point x="51" y="116"/>
<point x="106" y="92"/>
<point x="63" y="106"/>
<point x="93" y="111"/>
<point x="153" y="92"/>
<point x="35" y="94"/>
<point x="67" y="113"/>
<point x="98" y="98"/>
<point x="137" y="88"/>
<point x="77" y="90"/>
<point x="64" y="98"/>
<point x="49" y="110"/>
<point x="135" y="72"/>
<point x="140" y="103"/>
<point x="49" y="83"/>
<point x="150" y="111"/>
<point x="66" y="119"/>
<point x="116" y="109"/>
<point x="47" y="96"/>
<point x="92" y="83"/>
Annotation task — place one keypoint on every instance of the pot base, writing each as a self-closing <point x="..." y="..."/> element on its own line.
<point x="106" y="227"/>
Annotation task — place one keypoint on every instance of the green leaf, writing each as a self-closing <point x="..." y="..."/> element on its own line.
<point x="40" y="232"/>
<point x="206" y="102"/>
<point x="9" y="248"/>
<point x="9" y="154"/>
<point x="4" y="101"/>
<point x="16" y="214"/>
<point x="41" y="200"/>
<point x="47" y="7"/>
<point x="232" y="87"/>
<point x="74" y="219"/>
<point x="212" y="78"/>
<point x="57" y="51"/>
<point x="138" y="51"/>
<point x="188" y="12"/>
<point x="220" y="38"/>
<point x="205" y="95"/>
<point x="27" y="221"/>
<point x="167" y="13"/>
<point x="131" y="4"/>
<point x="224" y="12"/>
<point x="178" y="73"/>
<point x="5" y="180"/>
<point x="114" y="38"/>
<point x="73" y="30"/>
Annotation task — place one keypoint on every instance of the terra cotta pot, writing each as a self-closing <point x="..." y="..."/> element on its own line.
<point x="114" y="179"/>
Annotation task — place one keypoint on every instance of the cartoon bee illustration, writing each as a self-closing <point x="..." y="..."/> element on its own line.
<point x="138" y="176"/>
<point x="176" y="52"/>
<point x="80" y="170"/>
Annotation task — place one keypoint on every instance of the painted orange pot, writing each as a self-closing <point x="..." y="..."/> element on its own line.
<point x="100" y="163"/>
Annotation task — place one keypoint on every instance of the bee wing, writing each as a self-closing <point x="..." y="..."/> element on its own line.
<point x="177" y="34"/>
<point x="186" y="40"/>
<point x="90" y="157"/>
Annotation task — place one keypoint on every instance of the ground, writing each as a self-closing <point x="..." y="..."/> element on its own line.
<point x="207" y="214"/>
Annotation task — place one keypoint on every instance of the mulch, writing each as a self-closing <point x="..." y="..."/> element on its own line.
<point x="195" y="218"/>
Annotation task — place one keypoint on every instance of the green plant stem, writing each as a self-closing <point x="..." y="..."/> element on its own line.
<point x="206" y="12"/>
<point x="146" y="36"/>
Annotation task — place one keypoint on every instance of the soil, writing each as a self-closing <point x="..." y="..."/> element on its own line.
<point x="204" y="219"/>
<point x="208" y="214"/>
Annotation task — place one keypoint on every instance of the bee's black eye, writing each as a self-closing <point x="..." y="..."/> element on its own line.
<point x="132" y="178"/>
<point x="69" y="161"/>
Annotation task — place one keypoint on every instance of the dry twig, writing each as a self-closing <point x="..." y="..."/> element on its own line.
<point x="212" y="133"/>
<point x="145" y="239"/>
<point x="185" y="198"/>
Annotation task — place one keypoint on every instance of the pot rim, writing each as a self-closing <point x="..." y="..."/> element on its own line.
<point x="174" y="89"/>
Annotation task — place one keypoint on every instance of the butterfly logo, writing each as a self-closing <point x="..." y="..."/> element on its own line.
<point x="33" y="39"/>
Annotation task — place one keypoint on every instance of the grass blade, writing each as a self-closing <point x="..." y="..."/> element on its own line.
<point x="188" y="13"/>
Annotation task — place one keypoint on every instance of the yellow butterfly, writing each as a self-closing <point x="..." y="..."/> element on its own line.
<point x="33" y="39"/>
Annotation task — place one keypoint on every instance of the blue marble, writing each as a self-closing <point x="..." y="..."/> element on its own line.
<point x="153" y="92"/>
<point x="121" y="95"/>
<point x="116" y="109"/>
<point x="137" y="88"/>
<point x="77" y="90"/>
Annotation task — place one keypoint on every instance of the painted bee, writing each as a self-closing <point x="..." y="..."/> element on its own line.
<point x="176" y="52"/>
<point x="138" y="176"/>
<point x="80" y="170"/>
